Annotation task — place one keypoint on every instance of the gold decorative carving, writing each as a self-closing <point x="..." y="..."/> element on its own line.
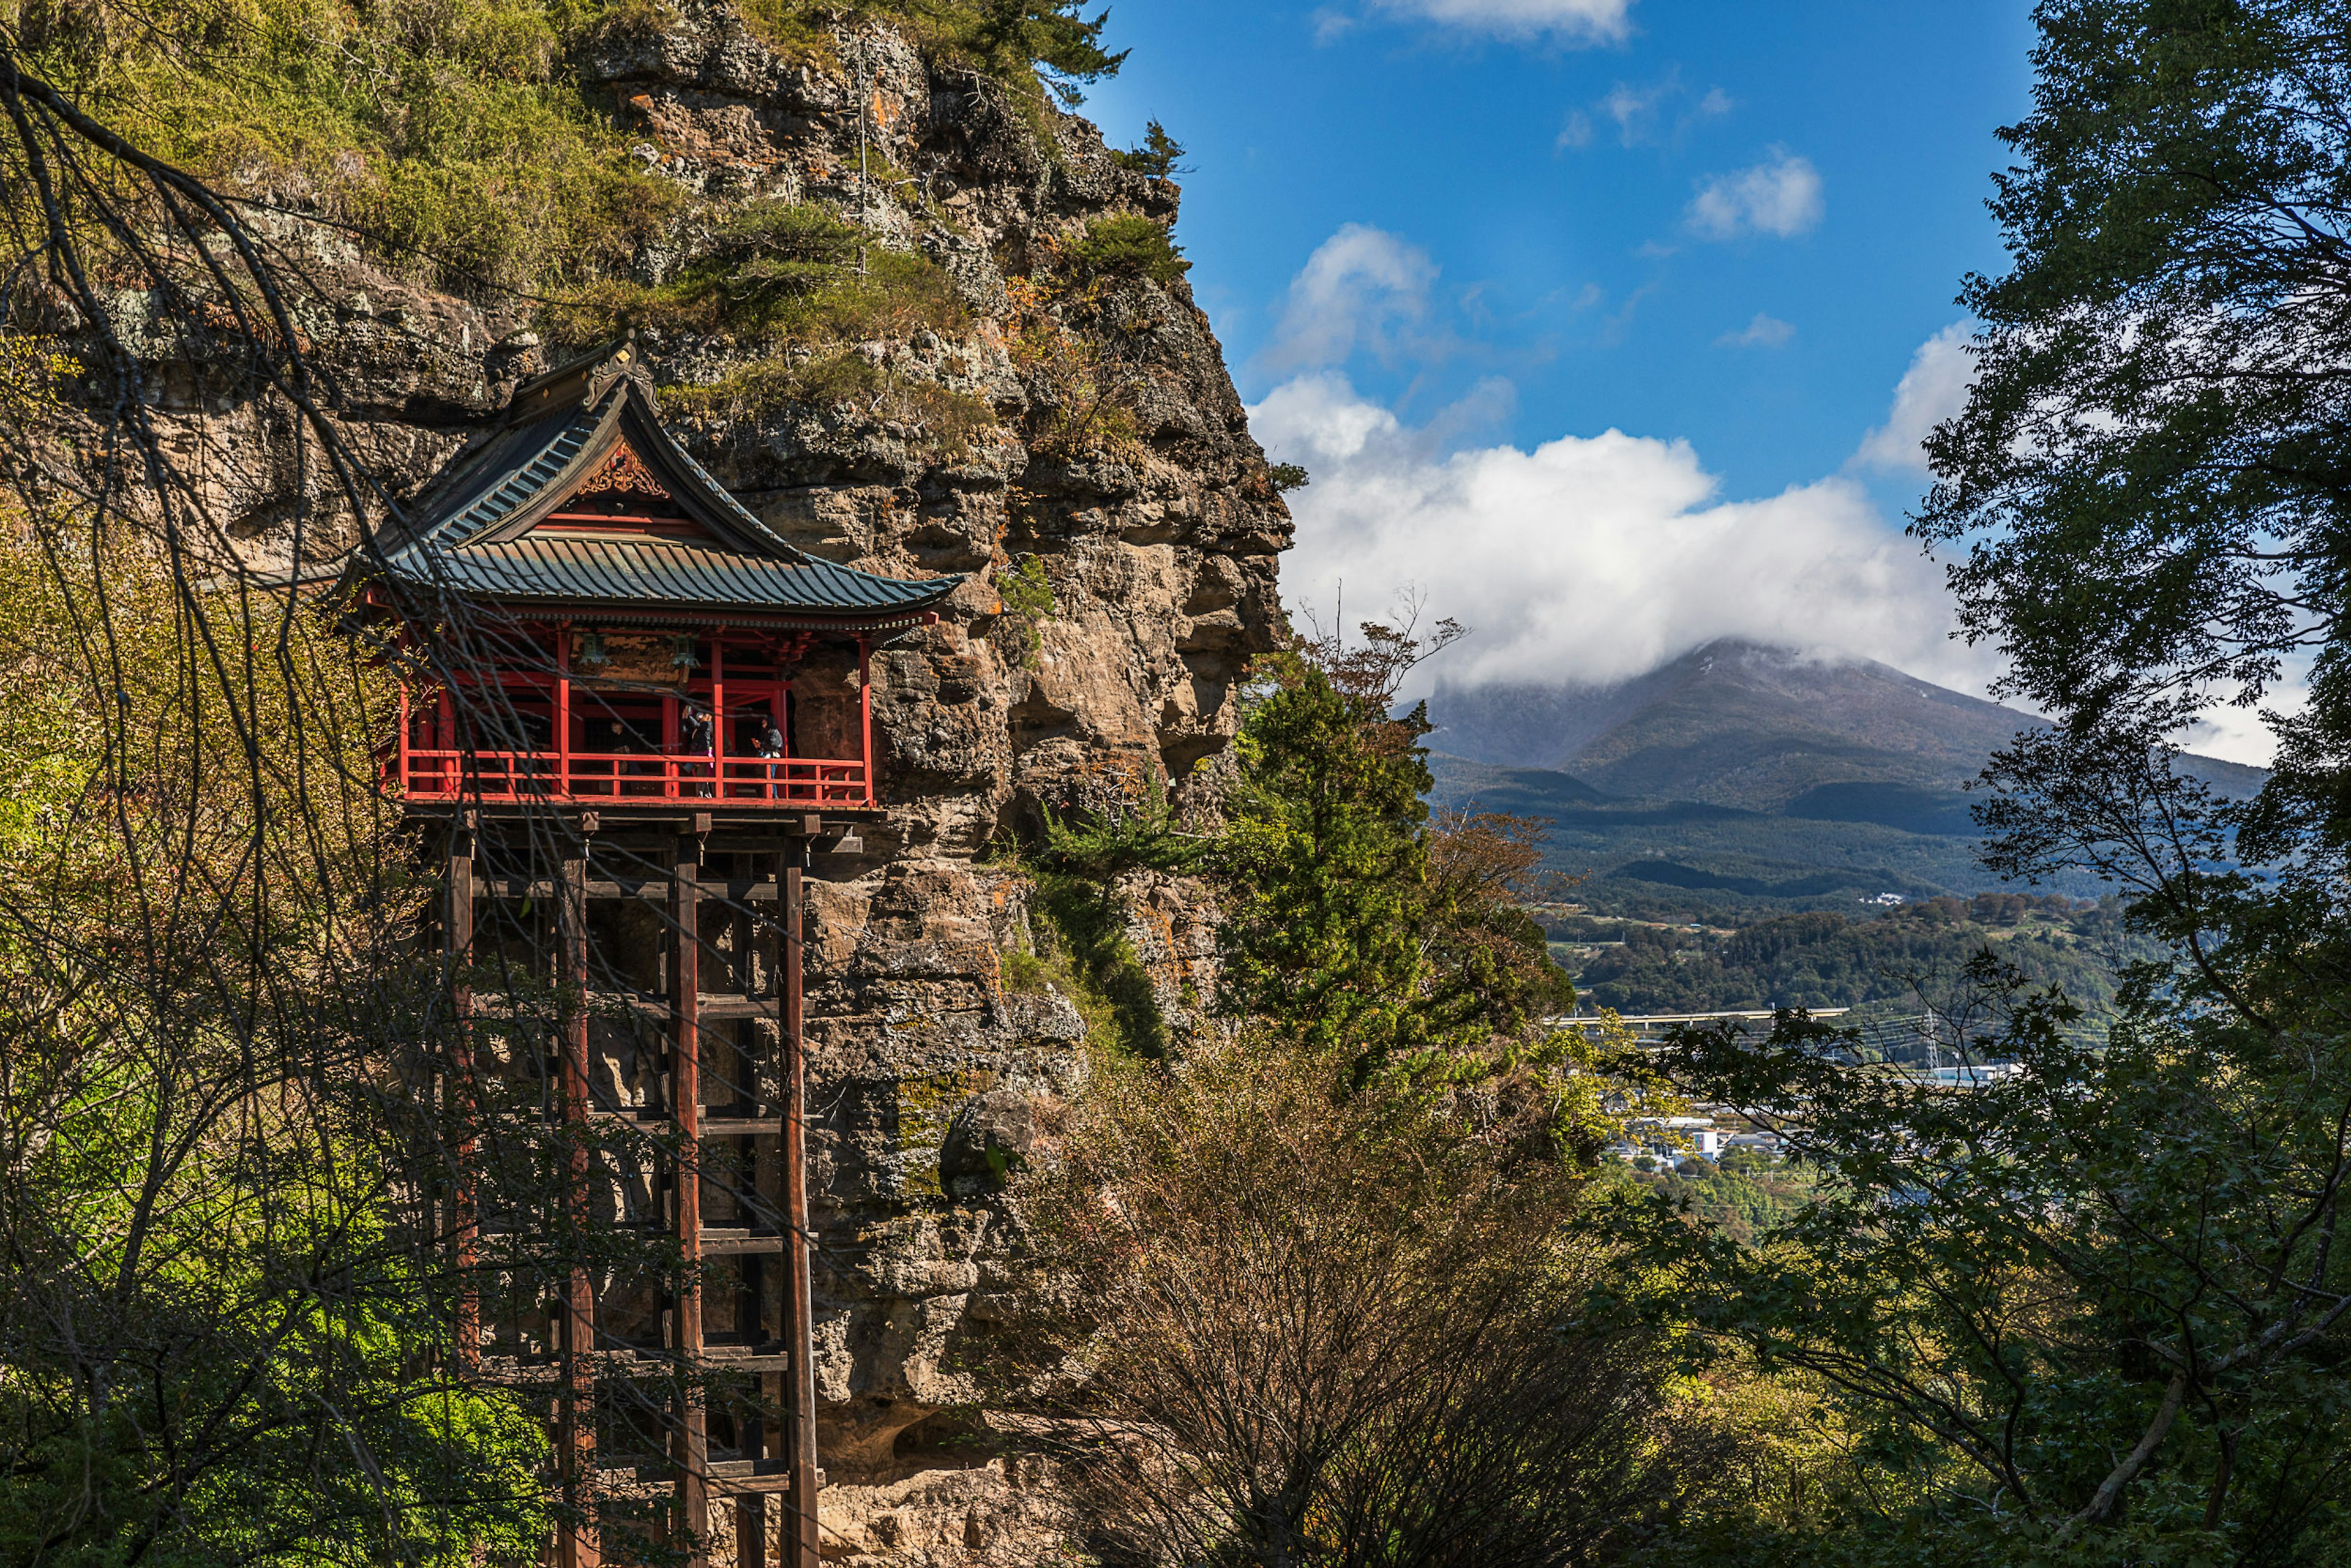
<point x="624" y="470"/>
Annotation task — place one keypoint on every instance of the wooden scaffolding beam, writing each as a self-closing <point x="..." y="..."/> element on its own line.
<point x="693" y="1441"/>
<point x="575" y="1454"/>
<point x="802" y="1539"/>
<point x="769" y="1456"/>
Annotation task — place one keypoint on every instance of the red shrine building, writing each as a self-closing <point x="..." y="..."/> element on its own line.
<point x="633" y="715"/>
<point x="619" y="596"/>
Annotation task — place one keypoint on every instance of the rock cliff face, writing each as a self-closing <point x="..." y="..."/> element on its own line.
<point x="1160" y="549"/>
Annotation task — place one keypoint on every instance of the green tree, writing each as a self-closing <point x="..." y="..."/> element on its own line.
<point x="2096" y="1312"/>
<point x="1160" y="156"/>
<point x="220" y="1342"/>
<point x="1346" y="915"/>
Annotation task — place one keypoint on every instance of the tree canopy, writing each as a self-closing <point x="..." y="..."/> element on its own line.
<point x="2093" y="1311"/>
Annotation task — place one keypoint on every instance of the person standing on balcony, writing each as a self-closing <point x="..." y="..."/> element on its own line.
<point x="769" y="743"/>
<point x="695" y="737"/>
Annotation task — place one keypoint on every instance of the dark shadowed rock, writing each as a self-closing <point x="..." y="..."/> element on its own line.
<point x="990" y="1139"/>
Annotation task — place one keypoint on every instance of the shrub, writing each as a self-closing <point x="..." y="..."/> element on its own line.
<point x="1027" y="594"/>
<point x="944" y="420"/>
<point x="1032" y="46"/>
<point x="1332" y="1330"/>
<point x="1127" y="245"/>
<point x="774" y="275"/>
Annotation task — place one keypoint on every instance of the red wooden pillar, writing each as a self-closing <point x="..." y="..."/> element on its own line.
<point x="717" y="714"/>
<point x="800" y="1540"/>
<point x="576" y="1546"/>
<point x="693" y="1454"/>
<point x="563" y="711"/>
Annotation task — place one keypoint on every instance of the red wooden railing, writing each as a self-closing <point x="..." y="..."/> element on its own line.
<point x="505" y="705"/>
<point x="609" y="778"/>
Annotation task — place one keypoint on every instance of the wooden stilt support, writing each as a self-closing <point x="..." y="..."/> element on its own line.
<point x="461" y="1103"/>
<point x="750" y="1311"/>
<point x="692" y="1439"/>
<point x="801" y="1537"/>
<point x="576" y="1546"/>
<point x="764" y="1178"/>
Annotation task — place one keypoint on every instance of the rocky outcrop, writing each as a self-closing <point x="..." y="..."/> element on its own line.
<point x="1159" y="544"/>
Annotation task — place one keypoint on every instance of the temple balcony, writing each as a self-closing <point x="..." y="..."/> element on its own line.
<point x="595" y="720"/>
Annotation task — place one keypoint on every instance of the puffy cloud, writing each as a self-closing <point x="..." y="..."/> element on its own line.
<point x="1780" y="197"/>
<point x="1571" y="21"/>
<point x="1932" y="390"/>
<point x="1592" y="559"/>
<point x="1763" y="332"/>
<point x="1360" y="289"/>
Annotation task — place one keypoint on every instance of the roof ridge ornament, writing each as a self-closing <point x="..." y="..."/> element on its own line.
<point x="621" y="364"/>
<point x="583" y="380"/>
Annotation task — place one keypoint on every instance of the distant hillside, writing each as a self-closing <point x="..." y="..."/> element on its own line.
<point x="1672" y="858"/>
<point x="1742" y="778"/>
<point x="1761" y="729"/>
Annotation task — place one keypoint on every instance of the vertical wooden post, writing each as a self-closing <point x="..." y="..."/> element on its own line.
<point x="801" y="1550"/>
<point x="717" y="716"/>
<point x="866" y="710"/>
<point x="686" y="1094"/>
<point x="463" y="1103"/>
<point x="577" y="1545"/>
<point x="562" y="711"/>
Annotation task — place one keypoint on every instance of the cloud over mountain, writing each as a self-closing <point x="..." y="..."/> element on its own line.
<point x="1592" y="557"/>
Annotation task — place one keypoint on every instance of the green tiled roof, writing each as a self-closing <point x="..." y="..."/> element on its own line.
<point x="471" y="534"/>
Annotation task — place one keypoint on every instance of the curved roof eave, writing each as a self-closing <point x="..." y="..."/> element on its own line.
<point x="494" y="495"/>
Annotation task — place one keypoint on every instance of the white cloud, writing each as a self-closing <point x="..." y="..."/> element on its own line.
<point x="1360" y="289"/>
<point x="1592" y="557"/>
<point x="1933" y="389"/>
<point x="1763" y="332"/>
<point x="1782" y="197"/>
<point x="1330" y="24"/>
<point x="1644" y="113"/>
<point x="1569" y="21"/>
<point x="1633" y="109"/>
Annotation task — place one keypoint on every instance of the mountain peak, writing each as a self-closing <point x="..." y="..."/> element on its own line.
<point x="1732" y="723"/>
<point x="1747" y="725"/>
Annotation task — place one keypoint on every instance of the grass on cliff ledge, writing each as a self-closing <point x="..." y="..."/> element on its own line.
<point x="453" y="136"/>
<point x="801" y="292"/>
<point x="771" y="275"/>
<point x="445" y="131"/>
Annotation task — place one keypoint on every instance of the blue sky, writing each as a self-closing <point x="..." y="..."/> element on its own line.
<point x="1607" y="326"/>
<point x="1548" y="172"/>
